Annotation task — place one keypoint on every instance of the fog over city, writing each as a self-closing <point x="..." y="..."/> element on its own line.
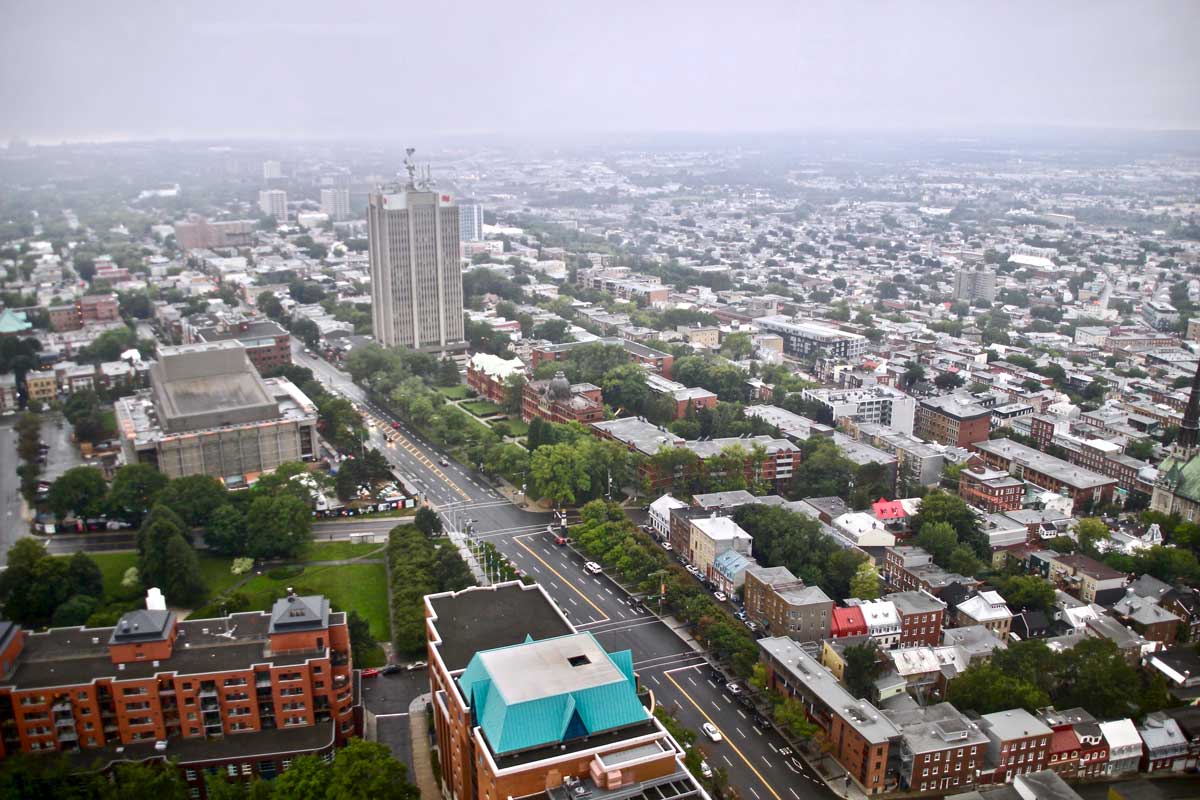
<point x="80" y="70"/>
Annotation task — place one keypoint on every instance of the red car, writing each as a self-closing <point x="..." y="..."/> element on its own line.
<point x="370" y="672"/>
<point x="560" y="540"/>
<point x="396" y="425"/>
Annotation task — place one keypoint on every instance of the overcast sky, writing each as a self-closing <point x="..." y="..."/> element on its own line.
<point x="94" y="70"/>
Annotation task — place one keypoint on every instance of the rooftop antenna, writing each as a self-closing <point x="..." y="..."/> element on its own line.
<point x="410" y="166"/>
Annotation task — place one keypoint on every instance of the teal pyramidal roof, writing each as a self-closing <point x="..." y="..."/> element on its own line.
<point x="542" y="692"/>
<point x="13" y="321"/>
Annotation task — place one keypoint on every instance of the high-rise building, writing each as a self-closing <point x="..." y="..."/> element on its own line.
<point x="470" y="222"/>
<point x="336" y="203"/>
<point x="272" y="169"/>
<point x="416" y="278"/>
<point x="273" y="203"/>
<point x="975" y="283"/>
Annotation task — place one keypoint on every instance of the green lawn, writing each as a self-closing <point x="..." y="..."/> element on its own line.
<point x="215" y="571"/>
<point x="481" y="408"/>
<point x="516" y="426"/>
<point x="357" y="587"/>
<point x="337" y="551"/>
<point x="113" y="566"/>
<point x="454" y="392"/>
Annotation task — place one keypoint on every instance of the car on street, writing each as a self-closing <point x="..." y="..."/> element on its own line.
<point x="416" y="665"/>
<point x="720" y="597"/>
<point x="444" y="462"/>
<point x="370" y="672"/>
<point x="705" y="769"/>
<point x="761" y="722"/>
<point x="390" y="669"/>
<point x="733" y="688"/>
<point x="740" y="615"/>
<point x="753" y="626"/>
<point x="396" y="426"/>
<point x="593" y="567"/>
<point x="560" y="540"/>
<point x="691" y="568"/>
<point x="711" y="731"/>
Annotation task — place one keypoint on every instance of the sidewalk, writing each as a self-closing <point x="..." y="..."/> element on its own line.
<point x="418" y="730"/>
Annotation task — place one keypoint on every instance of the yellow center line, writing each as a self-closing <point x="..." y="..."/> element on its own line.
<point x="571" y="585"/>
<point x="411" y="448"/>
<point x="724" y="735"/>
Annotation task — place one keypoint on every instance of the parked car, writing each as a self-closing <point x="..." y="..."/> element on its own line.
<point x="733" y="688"/>
<point x="390" y="669"/>
<point x="753" y="626"/>
<point x="416" y="665"/>
<point x="370" y="672"/>
<point x="667" y="546"/>
<point x="593" y="567"/>
<point x="692" y="569"/>
<point x="705" y="769"/>
<point x="740" y="614"/>
<point x="711" y="731"/>
<point x="720" y="597"/>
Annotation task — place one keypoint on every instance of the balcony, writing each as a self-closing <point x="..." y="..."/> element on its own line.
<point x="66" y="735"/>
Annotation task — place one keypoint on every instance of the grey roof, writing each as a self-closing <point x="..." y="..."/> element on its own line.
<point x="926" y="729"/>
<point x="915" y="602"/>
<point x="1142" y="610"/>
<point x="295" y="613"/>
<point x="1015" y="723"/>
<point x="643" y="436"/>
<point x="1056" y="468"/>
<point x="1045" y="785"/>
<point x="772" y="576"/>
<point x="802" y="668"/>
<point x="142" y="625"/>
<point x="804" y="596"/>
<point x="739" y="497"/>
<point x="1150" y="587"/>
<point x="484" y="618"/>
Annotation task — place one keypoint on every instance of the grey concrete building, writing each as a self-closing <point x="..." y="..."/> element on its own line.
<point x="416" y="277"/>
<point x="208" y="412"/>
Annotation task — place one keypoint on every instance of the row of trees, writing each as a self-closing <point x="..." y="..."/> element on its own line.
<point x="361" y="770"/>
<point x="37" y="589"/>
<point x="419" y="566"/>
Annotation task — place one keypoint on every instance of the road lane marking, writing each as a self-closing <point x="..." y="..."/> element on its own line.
<point x="689" y="678"/>
<point x="756" y="794"/>
<point x="732" y="746"/>
<point x="768" y="763"/>
<point x="739" y="713"/>
<point x="739" y="730"/>
<point x="793" y="791"/>
<point x="727" y="761"/>
<point x="560" y="577"/>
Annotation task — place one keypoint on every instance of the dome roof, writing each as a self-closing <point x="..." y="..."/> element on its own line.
<point x="560" y="387"/>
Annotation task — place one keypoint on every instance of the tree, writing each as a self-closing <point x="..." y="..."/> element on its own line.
<point x="79" y="490"/>
<point x="195" y="498"/>
<point x="270" y="305"/>
<point x="737" y="346"/>
<point x="559" y="473"/>
<point x="74" y="611"/>
<point x="428" y="522"/>
<point x="158" y="528"/>
<point x="938" y="539"/>
<point x="34" y="584"/>
<point x="135" y="488"/>
<point x="865" y="583"/>
<point x="948" y="380"/>
<point x="1091" y="531"/>
<point x="277" y="526"/>
<point x="939" y="506"/>
<point x="180" y="572"/>
<point x="985" y="688"/>
<point x="448" y="373"/>
<point x="307" y="331"/>
<point x="84" y="575"/>
<point x="962" y="560"/>
<point x="368" y="771"/>
<point x="226" y="531"/>
<point x="514" y="394"/>
<point x="139" y="781"/>
<point x="862" y="668"/>
<point x="361" y="640"/>
<point x="449" y="570"/>
<point x="790" y="715"/>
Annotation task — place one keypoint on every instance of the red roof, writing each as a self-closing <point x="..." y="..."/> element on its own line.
<point x="848" y="621"/>
<point x="1064" y="741"/>
<point x="888" y="509"/>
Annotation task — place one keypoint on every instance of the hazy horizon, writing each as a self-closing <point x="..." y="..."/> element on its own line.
<point x="78" y="72"/>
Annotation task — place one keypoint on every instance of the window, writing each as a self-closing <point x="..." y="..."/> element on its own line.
<point x="232" y="770"/>
<point x="190" y="775"/>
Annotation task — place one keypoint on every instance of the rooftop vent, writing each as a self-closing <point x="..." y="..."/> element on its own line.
<point x="579" y="661"/>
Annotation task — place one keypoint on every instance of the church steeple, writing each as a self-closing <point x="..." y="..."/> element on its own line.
<point x="1189" y="430"/>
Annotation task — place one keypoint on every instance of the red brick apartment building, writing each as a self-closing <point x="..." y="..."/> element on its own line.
<point x="1046" y="471"/>
<point x="655" y="360"/>
<point x="267" y="344"/>
<point x="557" y="400"/>
<point x="990" y="489"/>
<point x="508" y="643"/>
<point x="242" y="694"/>
<point x="1018" y="743"/>
<point x="921" y="618"/>
<point x="952" y="420"/>
<point x="87" y="309"/>
<point x="488" y="375"/>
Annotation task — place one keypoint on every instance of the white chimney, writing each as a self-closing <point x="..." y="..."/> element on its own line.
<point x="155" y="600"/>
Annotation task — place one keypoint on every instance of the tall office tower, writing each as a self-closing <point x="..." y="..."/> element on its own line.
<point x="470" y="222"/>
<point x="273" y="203"/>
<point x="272" y="169"/>
<point x="416" y="280"/>
<point x="975" y="283"/>
<point x="336" y="203"/>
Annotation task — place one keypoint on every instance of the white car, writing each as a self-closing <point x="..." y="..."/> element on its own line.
<point x="720" y="597"/>
<point x="733" y="689"/>
<point x="667" y="546"/>
<point x="593" y="567"/>
<point x="711" y="731"/>
<point x="705" y="769"/>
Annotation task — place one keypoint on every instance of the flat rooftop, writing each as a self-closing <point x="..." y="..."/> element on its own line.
<point x="1061" y="471"/>
<point x="550" y="667"/>
<point x="478" y="619"/>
